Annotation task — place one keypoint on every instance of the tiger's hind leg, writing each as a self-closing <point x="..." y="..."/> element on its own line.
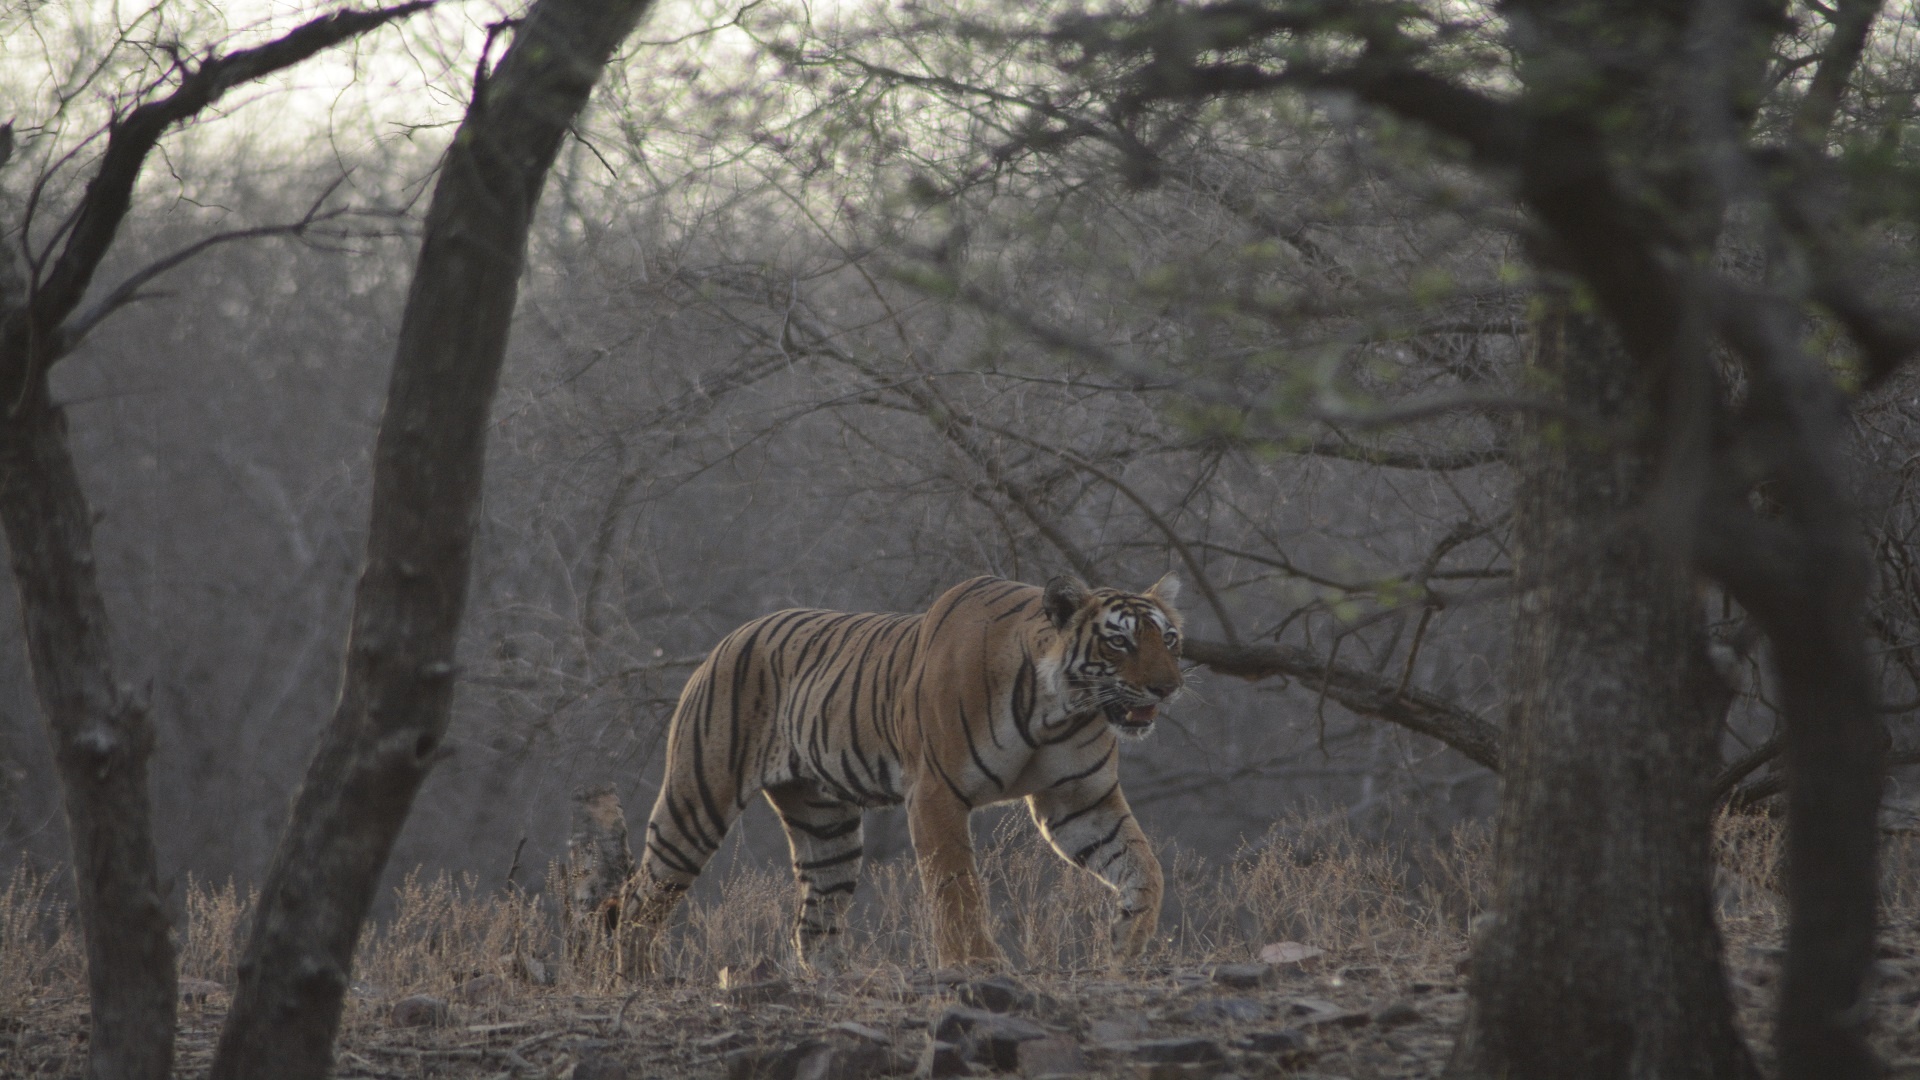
<point x="689" y="820"/>
<point x="824" y="834"/>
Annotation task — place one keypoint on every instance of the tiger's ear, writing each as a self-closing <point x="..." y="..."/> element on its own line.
<point x="1167" y="589"/>
<point x="1064" y="597"/>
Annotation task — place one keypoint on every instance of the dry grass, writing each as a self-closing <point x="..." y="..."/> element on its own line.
<point x="1372" y="906"/>
<point x="39" y="946"/>
<point x="1309" y="879"/>
<point x="1394" y="920"/>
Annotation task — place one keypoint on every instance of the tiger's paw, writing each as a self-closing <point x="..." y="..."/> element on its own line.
<point x="979" y="957"/>
<point x="822" y="956"/>
<point x="1132" y="932"/>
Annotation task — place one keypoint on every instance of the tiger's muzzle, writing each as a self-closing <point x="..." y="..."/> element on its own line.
<point x="1131" y="710"/>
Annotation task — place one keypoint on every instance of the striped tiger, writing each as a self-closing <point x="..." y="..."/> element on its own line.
<point x="999" y="691"/>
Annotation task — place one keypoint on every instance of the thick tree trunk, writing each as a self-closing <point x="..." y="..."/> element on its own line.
<point x="1602" y="959"/>
<point x="101" y="740"/>
<point x="1802" y="574"/>
<point x="428" y="461"/>
<point x="1834" y="747"/>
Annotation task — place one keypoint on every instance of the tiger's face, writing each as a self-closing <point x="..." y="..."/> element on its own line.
<point x="1122" y="650"/>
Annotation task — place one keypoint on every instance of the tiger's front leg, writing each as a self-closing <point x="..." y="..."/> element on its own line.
<point x="1089" y="824"/>
<point x="943" y="845"/>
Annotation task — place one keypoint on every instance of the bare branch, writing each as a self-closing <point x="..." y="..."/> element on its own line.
<point x="1420" y="460"/>
<point x="1852" y="20"/>
<point x="76" y="328"/>
<point x="29" y="339"/>
<point x="1360" y="691"/>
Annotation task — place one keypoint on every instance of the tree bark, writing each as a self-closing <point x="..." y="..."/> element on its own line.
<point x="99" y="730"/>
<point x="1602" y="959"/>
<point x="599" y="867"/>
<point x="101" y="740"/>
<point x="1803" y="574"/>
<point x="428" y="461"/>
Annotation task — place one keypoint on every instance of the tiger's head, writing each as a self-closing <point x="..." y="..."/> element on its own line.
<point x="1122" y="650"/>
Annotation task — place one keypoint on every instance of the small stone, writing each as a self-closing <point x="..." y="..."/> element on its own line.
<point x="1117" y="1029"/>
<point x="734" y="976"/>
<point x="1397" y="1013"/>
<point x="942" y="1059"/>
<point x="1226" y="1010"/>
<point x="1244" y="976"/>
<point x="534" y="970"/>
<point x="420" y="1010"/>
<point x="1420" y="987"/>
<point x="997" y="994"/>
<point x="1177" y="1051"/>
<point x="858" y="1061"/>
<point x="1051" y="1056"/>
<point x="599" y="1067"/>
<point x="481" y="988"/>
<point x="760" y="1063"/>
<point x="1329" y="1015"/>
<point x="1291" y="956"/>
<point x="1174" y="1070"/>
<point x="1284" y="1041"/>
<point x="757" y="993"/>
<point x="989" y="1038"/>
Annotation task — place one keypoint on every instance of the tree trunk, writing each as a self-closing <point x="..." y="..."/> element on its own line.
<point x="101" y="740"/>
<point x="599" y="867"/>
<point x="428" y="462"/>
<point x="1802" y="574"/>
<point x="1602" y="959"/>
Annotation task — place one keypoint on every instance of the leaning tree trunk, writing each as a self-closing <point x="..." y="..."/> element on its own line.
<point x="101" y="740"/>
<point x="1601" y="959"/>
<point x="428" y="461"/>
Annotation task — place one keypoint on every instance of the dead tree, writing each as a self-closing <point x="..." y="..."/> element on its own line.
<point x="599" y="864"/>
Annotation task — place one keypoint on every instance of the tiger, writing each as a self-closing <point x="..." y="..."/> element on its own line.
<point x="998" y="691"/>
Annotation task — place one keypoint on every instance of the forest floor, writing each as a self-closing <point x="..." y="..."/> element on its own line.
<point x="454" y="985"/>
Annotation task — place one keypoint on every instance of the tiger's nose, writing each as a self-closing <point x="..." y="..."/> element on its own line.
<point x="1163" y="690"/>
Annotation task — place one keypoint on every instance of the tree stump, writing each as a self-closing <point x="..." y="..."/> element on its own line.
<point x="599" y="865"/>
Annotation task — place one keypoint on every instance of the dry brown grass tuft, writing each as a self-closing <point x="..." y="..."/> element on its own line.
<point x="210" y="939"/>
<point x="39" y="945"/>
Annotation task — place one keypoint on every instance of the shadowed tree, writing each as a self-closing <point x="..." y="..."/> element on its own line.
<point x="98" y="727"/>
<point x="1630" y="134"/>
<point x="429" y="459"/>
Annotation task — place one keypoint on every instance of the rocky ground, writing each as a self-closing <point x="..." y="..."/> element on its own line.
<point x="1306" y="1017"/>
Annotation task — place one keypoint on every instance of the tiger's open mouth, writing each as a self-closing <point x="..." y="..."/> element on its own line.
<point x="1135" y="720"/>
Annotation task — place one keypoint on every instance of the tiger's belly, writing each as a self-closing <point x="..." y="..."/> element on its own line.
<point x="850" y="773"/>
